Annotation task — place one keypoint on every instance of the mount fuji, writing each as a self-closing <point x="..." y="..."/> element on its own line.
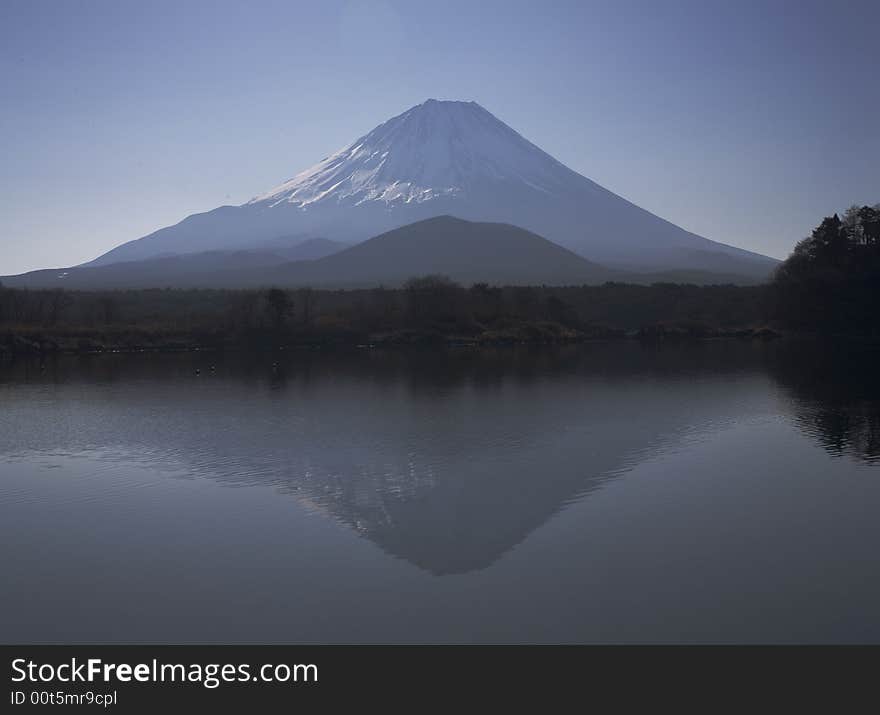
<point x="443" y="158"/>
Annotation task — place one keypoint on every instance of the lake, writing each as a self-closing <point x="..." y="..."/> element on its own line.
<point x="602" y="493"/>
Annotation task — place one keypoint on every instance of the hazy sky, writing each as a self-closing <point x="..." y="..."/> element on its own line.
<point x="745" y="122"/>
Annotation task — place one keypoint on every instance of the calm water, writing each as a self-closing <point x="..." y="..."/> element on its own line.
<point x="605" y="493"/>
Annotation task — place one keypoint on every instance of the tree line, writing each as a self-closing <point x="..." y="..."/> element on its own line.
<point x="424" y="306"/>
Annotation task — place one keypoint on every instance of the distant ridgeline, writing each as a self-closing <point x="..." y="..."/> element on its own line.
<point x="831" y="282"/>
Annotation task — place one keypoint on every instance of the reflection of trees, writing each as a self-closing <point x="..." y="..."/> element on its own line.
<point x="835" y="394"/>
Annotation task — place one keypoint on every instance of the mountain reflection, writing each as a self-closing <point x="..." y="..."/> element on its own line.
<point x="445" y="459"/>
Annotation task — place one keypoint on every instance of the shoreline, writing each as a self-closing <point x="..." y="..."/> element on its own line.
<point x="40" y="343"/>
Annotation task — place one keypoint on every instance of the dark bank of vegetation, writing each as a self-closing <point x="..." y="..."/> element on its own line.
<point x="829" y="285"/>
<point x="427" y="309"/>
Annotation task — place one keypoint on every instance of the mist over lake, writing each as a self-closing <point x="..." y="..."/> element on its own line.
<point x="611" y="492"/>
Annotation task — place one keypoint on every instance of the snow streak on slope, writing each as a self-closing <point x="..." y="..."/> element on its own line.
<point x="433" y="150"/>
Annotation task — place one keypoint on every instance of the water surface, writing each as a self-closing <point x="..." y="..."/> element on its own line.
<point x="718" y="492"/>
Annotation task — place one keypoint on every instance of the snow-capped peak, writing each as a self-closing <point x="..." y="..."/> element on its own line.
<point x="435" y="149"/>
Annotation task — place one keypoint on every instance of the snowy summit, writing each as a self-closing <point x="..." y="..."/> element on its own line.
<point x="438" y="148"/>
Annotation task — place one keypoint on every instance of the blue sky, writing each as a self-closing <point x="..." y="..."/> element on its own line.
<point x="745" y="122"/>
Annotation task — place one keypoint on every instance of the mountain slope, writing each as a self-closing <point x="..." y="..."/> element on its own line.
<point x="465" y="251"/>
<point x="307" y="250"/>
<point x="191" y="270"/>
<point x="448" y="158"/>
